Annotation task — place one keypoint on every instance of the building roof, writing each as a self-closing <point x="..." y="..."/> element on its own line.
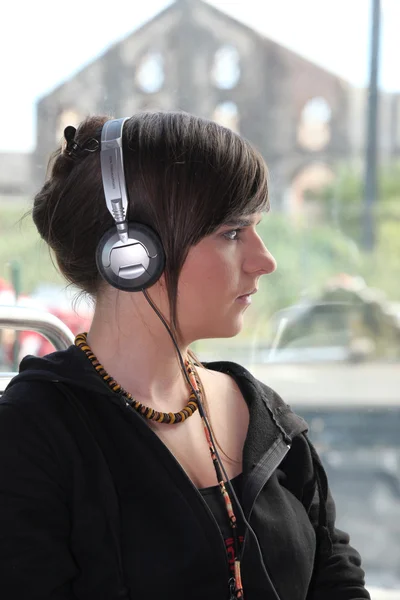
<point x="185" y="5"/>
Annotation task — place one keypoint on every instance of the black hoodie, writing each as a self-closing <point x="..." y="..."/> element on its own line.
<point x="93" y="506"/>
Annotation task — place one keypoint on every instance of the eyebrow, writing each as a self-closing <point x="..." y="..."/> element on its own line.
<point x="241" y="222"/>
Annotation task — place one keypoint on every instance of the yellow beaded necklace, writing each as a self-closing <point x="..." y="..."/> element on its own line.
<point x="149" y="413"/>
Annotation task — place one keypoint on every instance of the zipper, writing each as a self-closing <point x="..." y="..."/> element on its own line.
<point x="261" y="473"/>
<point x="263" y="470"/>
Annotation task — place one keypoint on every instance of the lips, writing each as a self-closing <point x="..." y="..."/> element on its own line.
<point x="249" y="293"/>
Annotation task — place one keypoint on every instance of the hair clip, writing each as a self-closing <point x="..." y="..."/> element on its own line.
<point x="73" y="149"/>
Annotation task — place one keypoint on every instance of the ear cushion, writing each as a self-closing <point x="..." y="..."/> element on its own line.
<point x="134" y="266"/>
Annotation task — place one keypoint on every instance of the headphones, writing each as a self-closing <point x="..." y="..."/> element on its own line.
<point x="130" y="256"/>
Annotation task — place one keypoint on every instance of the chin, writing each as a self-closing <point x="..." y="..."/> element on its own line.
<point x="232" y="331"/>
<point x="227" y="326"/>
<point x="219" y="332"/>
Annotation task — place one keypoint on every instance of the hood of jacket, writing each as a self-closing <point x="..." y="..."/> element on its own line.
<point x="72" y="367"/>
<point x="270" y="417"/>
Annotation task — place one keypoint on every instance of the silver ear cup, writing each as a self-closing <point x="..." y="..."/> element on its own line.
<point x="132" y="266"/>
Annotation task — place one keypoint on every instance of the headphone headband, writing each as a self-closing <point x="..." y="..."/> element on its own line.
<point x="129" y="257"/>
<point x="112" y="168"/>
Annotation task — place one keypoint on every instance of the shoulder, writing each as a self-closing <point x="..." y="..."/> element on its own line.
<point x="32" y="432"/>
<point x="257" y="392"/>
<point x="299" y="467"/>
<point x="37" y="387"/>
<point x="35" y="414"/>
<point x="30" y="397"/>
<point x="229" y="370"/>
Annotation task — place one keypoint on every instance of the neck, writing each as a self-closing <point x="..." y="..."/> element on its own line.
<point x="134" y="347"/>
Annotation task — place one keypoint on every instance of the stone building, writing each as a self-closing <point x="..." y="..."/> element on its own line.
<point x="194" y="57"/>
<point x="15" y="177"/>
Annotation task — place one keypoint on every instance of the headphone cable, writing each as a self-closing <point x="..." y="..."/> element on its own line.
<point x="203" y="415"/>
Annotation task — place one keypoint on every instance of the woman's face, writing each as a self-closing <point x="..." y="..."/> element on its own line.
<point x="217" y="278"/>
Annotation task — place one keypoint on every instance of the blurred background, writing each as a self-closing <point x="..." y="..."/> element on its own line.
<point x="316" y="87"/>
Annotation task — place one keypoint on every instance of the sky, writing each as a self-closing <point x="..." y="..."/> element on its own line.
<point x="43" y="42"/>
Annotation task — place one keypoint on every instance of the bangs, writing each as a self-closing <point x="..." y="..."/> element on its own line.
<point x="253" y="193"/>
<point x="245" y="182"/>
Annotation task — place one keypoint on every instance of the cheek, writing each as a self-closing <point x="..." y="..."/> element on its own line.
<point x="208" y="276"/>
<point x="205" y="278"/>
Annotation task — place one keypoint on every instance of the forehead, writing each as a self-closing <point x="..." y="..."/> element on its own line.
<point x="245" y="220"/>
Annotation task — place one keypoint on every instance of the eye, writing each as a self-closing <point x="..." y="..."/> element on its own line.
<point x="232" y="235"/>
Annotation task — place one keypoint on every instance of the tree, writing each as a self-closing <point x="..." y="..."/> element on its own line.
<point x="342" y="201"/>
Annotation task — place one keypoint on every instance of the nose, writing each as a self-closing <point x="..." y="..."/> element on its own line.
<point x="260" y="259"/>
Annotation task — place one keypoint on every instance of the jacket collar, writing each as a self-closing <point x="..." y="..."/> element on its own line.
<point x="270" y="417"/>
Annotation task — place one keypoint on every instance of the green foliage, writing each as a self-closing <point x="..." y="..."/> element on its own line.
<point x="342" y="202"/>
<point x="20" y="242"/>
<point x="382" y="268"/>
<point x="307" y="255"/>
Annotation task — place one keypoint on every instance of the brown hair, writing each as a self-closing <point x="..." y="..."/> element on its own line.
<point x="186" y="176"/>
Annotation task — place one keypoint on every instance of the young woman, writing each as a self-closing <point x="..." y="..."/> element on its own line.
<point x="128" y="470"/>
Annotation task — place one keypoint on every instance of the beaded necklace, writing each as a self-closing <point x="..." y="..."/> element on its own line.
<point x="194" y="403"/>
<point x="149" y="413"/>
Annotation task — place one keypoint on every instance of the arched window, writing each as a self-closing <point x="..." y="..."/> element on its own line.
<point x="150" y="74"/>
<point x="225" y="71"/>
<point x="314" y="132"/>
<point x="227" y="114"/>
<point x="68" y="116"/>
<point x="312" y="178"/>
